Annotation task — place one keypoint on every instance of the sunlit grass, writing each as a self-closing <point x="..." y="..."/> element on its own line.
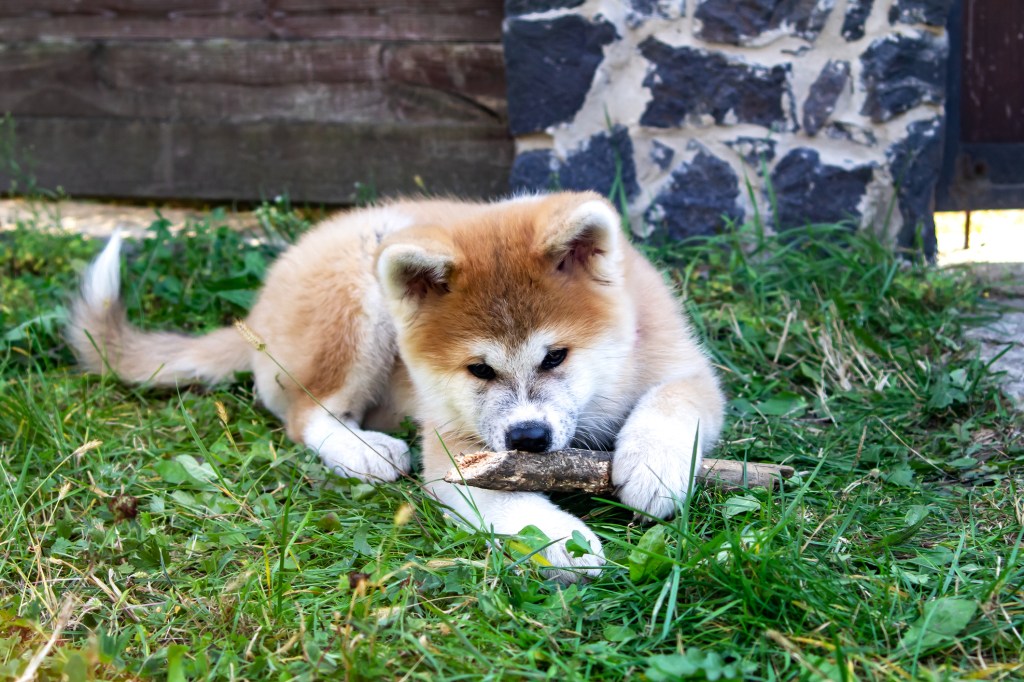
<point x="193" y="540"/>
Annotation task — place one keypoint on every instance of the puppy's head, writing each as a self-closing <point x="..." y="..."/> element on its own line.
<point x="513" y="322"/>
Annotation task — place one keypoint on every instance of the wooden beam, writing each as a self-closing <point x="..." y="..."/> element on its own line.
<point x="245" y="81"/>
<point x="402" y="20"/>
<point x="311" y="162"/>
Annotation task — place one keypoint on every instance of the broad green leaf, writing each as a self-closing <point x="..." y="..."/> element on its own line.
<point x="915" y="518"/>
<point x="916" y="514"/>
<point x="200" y="472"/>
<point x="618" y="633"/>
<point x="648" y="561"/>
<point x="962" y="463"/>
<point x="783" y="404"/>
<point x="578" y="545"/>
<point x="171" y="471"/>
<point x="329" y="523"/>
<point x="959" y="378"/>
<point x="361" y="544"/>
<point x="61" y="546"/>
<point x="940" y="622"/>
<point x="183" y="498"/>
<point x="695" y="664"/>
<point x="738" y="504"/>
<point x="901" y="475"/>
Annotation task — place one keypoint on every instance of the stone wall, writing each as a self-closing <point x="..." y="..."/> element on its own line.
<point x="698" y="112"/>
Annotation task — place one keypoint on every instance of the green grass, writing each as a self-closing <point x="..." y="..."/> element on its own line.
<point x="179" y="534"/>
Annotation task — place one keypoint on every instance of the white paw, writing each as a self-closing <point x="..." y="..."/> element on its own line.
<point x="558" y="526"/>
<point x="565" y="566"/>
<point x="509" y="513"/>
<point x="350" y="452"/>
<point x="651" y="467"/>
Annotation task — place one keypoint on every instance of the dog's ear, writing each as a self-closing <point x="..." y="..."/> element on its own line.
<point x="588" y="238"/>
<point x="411" y="272"/>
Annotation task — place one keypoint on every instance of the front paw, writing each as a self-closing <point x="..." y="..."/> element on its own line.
<point x="519" y="516"/>
<point x="652" y="466"/>
<point x="548" y="532"/>
<point x="568" y="565"/>
<point x="366" y="455"/>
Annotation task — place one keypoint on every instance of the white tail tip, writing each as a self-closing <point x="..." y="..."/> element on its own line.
<point x="101" y="287"/>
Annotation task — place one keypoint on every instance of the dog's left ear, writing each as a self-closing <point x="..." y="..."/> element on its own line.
<point x="588" y="239"/>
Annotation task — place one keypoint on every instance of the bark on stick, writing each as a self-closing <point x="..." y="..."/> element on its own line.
<point x="590" y="471"/>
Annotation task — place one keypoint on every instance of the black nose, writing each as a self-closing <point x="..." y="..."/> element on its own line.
<point x="529" y="436"/>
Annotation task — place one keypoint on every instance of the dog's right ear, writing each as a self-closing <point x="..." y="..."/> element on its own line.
<point x="409" y="273"/>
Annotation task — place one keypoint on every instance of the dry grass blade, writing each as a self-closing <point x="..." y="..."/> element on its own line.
<point x="63" y="616"/>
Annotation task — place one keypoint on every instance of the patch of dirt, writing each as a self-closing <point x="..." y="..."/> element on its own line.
<point x="100" y="220"/>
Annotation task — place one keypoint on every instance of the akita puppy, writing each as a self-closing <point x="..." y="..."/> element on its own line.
<point x="528" y="324"/>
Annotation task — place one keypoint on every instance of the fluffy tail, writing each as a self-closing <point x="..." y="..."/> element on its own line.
<point x="103" y="339"/>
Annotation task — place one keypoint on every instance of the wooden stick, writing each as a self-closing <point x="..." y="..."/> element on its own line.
<point x="590" y="471"/>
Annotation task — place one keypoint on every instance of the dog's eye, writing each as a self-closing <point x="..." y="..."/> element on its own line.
<point x="554" y="358"/>
<point x="482" y="371"/>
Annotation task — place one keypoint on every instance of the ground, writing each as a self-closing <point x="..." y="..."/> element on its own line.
<point x="994" y="253"/>
<point x="179" y="534"/>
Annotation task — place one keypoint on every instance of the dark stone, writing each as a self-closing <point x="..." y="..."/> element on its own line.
<point x="550" y="65"/>
<point x="739" y="22"/>
<point x="533" y="171"/>
<point x="807" y="191"/>
<point x="857" y="12"/>
<point x="699" y="199"/>
<point x="930" y="12"/>
<point x="595" y="166"/>
<point x="518" y="7"/>
<point x="900" y="72"/>
<point x="753" y="150"/>
<point x="662" y="154"/>
<point x="688" y="82"/>
<point x="821" y="100"/>
<point x="915" y="163"/>
<point x="837" y="130"/>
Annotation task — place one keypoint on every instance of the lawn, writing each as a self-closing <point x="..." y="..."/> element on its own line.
<point x="180" y="535"/>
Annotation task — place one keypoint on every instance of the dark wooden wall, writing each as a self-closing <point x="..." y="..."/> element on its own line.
<point x="984" y="152"/>
<point x="243" y="99"/>
<point x="992" y="92"/>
